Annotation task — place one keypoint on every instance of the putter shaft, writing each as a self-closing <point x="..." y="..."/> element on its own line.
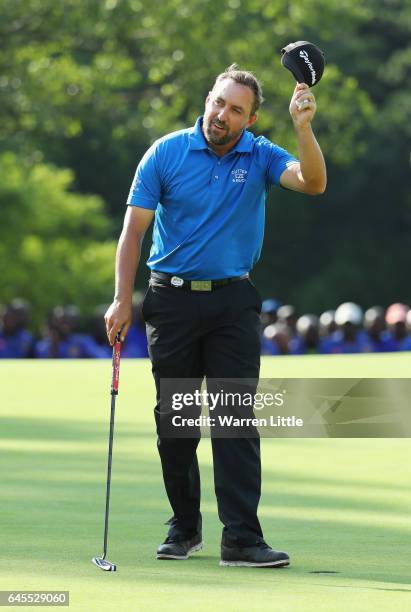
<point x="102" y="562"/>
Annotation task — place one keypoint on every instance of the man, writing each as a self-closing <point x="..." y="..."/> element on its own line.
<point x="276" y="339"/>
<point x="269" y="310"/>
<point x="377" y="339"/>
<point x="207" y="186"/>
<point x="349" y="336"/>
<point x="396" y="319"/>
<point x="62" y="341"/>
<point x="327" y="324"/>
<point x="308" y="337"/>
<point x="16" y="341"/>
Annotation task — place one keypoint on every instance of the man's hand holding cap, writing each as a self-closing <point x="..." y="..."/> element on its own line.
<point x="305" y="60"/>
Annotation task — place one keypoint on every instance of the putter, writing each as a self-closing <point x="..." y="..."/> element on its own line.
<point x="102" y="562"/>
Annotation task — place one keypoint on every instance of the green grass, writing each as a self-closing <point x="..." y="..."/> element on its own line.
<point x="335" y="505"/>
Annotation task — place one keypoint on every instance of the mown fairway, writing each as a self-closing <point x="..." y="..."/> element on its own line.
<point x="339" y="506"/>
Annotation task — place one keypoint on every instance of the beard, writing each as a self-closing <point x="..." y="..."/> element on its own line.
<point x="216" y="136"/>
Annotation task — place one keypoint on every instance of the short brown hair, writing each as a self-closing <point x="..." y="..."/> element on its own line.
<point x="244" y="77"/>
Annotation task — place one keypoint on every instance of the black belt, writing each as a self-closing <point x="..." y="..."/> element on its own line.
<point x="162" y="279"/>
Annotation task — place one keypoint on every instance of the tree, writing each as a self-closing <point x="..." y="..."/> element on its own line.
<point x="54" y="243"/>
<point x="90" y="85"/>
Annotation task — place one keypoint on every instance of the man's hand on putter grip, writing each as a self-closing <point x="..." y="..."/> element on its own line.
<point x="118" y="319"/>
<point x="302" y="105"/>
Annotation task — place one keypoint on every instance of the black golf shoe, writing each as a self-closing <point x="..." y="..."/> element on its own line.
<point x="179" y="549"/>
<point x="260" y="555"/>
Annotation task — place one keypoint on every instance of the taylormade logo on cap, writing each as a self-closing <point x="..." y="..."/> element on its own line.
<point x="305" y="57"/>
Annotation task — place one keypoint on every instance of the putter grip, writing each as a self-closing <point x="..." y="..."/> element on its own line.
<point x="116" y="365"/>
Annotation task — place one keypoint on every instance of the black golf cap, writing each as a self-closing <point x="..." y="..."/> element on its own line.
<point x="305" y="61"/>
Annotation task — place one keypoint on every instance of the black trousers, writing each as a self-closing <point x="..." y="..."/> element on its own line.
<point x="214" y="335"/>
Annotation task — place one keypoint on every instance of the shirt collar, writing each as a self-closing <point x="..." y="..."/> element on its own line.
<point x="197" y="140"/>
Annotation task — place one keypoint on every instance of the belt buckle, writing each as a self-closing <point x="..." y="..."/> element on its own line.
<point x="201" y="285"/>
<point x="176" y="281"/>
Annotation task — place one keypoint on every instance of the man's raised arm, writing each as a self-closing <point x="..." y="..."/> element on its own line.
<point x="310" y="175"/>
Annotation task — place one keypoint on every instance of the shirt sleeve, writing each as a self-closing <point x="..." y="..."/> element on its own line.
<point x="145" y="190"/>
<point x="279" y="160"/>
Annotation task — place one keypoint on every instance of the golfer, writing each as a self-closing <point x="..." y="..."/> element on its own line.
<point x="206" y="187"/>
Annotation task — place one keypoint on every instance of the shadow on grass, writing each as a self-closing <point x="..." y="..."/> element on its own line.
<point x="65" y="429"/>
<point x="64" y="492"/>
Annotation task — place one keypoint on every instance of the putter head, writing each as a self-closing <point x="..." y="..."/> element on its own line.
<point x="103" y="564"/>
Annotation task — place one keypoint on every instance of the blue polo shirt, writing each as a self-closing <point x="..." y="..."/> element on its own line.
<point x="209" y="220"/>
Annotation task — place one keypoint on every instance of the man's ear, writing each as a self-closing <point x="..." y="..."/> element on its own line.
<point x="208" y="97"/>
<point x="252" y="119"/>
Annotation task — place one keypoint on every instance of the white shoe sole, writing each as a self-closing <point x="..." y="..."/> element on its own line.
<point x="195" y="548"/>
<point x="281" y="563"/>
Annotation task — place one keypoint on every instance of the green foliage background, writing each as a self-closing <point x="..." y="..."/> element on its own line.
<point x="86" y="86"/>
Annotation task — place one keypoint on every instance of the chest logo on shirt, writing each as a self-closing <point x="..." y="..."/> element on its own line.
<point x="238" y="175"/>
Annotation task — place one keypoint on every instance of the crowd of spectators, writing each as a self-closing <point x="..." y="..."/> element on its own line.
<point x="65" y="334"/>
<point x="346" y="330"/>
